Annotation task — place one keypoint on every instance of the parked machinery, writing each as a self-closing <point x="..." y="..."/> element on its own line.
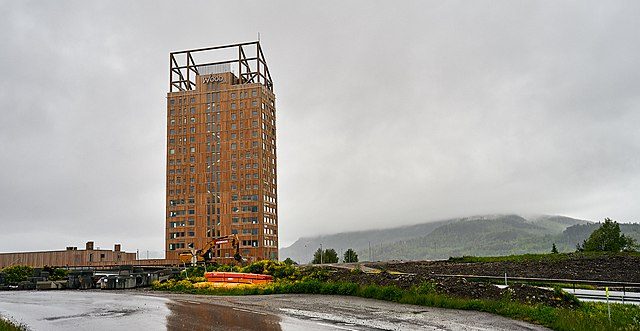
<point x="205" y="254"/>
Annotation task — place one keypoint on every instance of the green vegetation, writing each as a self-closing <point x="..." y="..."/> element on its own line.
<point x="350" y="256"/>
<point x="289" y="261"/>
<point x="279" y="270"/>
<point x="56" y="273"/>
<point x="554" y="249"/>
<point x="607" y="238"/>
<point x="6" y="325"/>
<point x="588" y="316"/>
<point x="326" y="256"/>
<point x="17" y="273"/>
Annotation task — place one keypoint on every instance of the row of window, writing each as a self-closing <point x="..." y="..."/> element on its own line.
<point x="269" y="219"/>
<point x="252" y="220"/>
<point x="245" y="209"/>
<point x="179" y="171"/>
<point x="173" y="247"/>
<point x="190" y="222"/>
<point x="177" y="213"/>
<point x="253" y="232"/>
<point x="174" y="235"/>
<point x="244" y="94"/>
<point x="181" y="100"/>
<point x="178" y="202"/>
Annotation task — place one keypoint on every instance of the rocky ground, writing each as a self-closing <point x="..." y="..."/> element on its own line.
<point x="621" y="268"/>
<point x="456" y="287"/>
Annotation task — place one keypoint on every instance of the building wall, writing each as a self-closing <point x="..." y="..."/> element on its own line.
<point x="221" y="167"/>
<point x="67" y="258"/>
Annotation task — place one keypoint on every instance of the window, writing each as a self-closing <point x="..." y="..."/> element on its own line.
<point x="234" y="136"/>
<point x="233" y="116"/>
<point x="234" y="126"/>
<point x="254" y="93"/>
<point x="193" y="129"/>
<point x="193" y="149"/>
<point x="191" y="221"/>
<point x="233" y="105"/>
<point x="172" y="101"/>
<point x="193" y="120"/>
<point x="192" y="234"/>
<point x="254" y="103"/>
<point x="233" y="146"/>
<point x="193" y="109"/>
<point x="233" y="95"/>
<point x="254" y="113"/>
<point x="172" y="151"/>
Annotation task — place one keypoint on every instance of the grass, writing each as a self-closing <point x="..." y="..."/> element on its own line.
<point x="589" y="316"/>
<point x="6" y="325"/>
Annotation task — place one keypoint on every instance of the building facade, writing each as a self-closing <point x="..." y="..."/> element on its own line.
<point x="221" y="152"/>
<point x="71" y="257"/>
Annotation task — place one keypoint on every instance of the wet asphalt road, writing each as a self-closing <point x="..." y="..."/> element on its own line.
<point x="146" y="310"/>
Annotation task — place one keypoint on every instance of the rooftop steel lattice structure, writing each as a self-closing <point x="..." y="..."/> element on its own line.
<point x="250" y="68"/>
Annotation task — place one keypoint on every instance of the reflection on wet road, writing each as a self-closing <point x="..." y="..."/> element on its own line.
<point x="94" y="310"/>
<point x="143" y="310"/>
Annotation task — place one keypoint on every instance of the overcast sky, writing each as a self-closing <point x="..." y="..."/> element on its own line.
<point x="389" y="113"/>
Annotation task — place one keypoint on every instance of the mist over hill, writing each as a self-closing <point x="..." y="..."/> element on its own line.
<point x="485" y="235"/>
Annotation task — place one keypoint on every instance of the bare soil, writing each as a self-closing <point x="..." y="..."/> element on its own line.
<point x="621" y="268"/>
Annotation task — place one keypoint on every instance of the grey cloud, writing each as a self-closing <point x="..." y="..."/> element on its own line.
<point x="388" y="113"/>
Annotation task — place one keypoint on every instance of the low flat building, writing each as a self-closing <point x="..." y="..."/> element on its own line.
<point x="70" y="257"/>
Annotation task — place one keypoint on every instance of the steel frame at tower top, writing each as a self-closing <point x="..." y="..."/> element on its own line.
<point x="183" y="69"/>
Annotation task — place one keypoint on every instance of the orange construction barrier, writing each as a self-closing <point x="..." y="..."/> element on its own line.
<point x="237" y="277"/>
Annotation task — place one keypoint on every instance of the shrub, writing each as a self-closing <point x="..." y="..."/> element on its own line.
<point x="17" y="273"/>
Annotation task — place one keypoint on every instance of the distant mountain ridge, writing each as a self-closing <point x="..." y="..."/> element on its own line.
<point x="500" y="234"/>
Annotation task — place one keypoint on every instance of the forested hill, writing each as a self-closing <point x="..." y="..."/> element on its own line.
<point x="478" y="235"/>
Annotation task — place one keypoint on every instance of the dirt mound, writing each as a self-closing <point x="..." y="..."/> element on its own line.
<point x="460" y="287"/>
<point x="535" y="295"/>
<point x="456" y="287"/>
<point x="622" y="268"/>
<point x="404" y="281"/>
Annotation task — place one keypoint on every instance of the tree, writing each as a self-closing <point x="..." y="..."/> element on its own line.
<point x="317" y="257"/>
<point x="289" y="261"/>
<point x="350" y="256"/>
<point x="554" y="249"/>
<point x="17" y="273"/>
<point x="330" y="256"/>
<point x="326" y="256"/>
<point x="607" y="238"/>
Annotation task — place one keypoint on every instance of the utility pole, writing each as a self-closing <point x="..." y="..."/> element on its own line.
<point x="370" y="257"/>
<point x="321" y="253"/>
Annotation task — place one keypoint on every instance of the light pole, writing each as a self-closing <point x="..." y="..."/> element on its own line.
<point x="321" y="253"/>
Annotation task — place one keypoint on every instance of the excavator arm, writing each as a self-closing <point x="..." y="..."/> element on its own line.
<point x="206" y="253"/>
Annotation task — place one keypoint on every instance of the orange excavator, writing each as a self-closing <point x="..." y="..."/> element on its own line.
<point x="205" y="254"/>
